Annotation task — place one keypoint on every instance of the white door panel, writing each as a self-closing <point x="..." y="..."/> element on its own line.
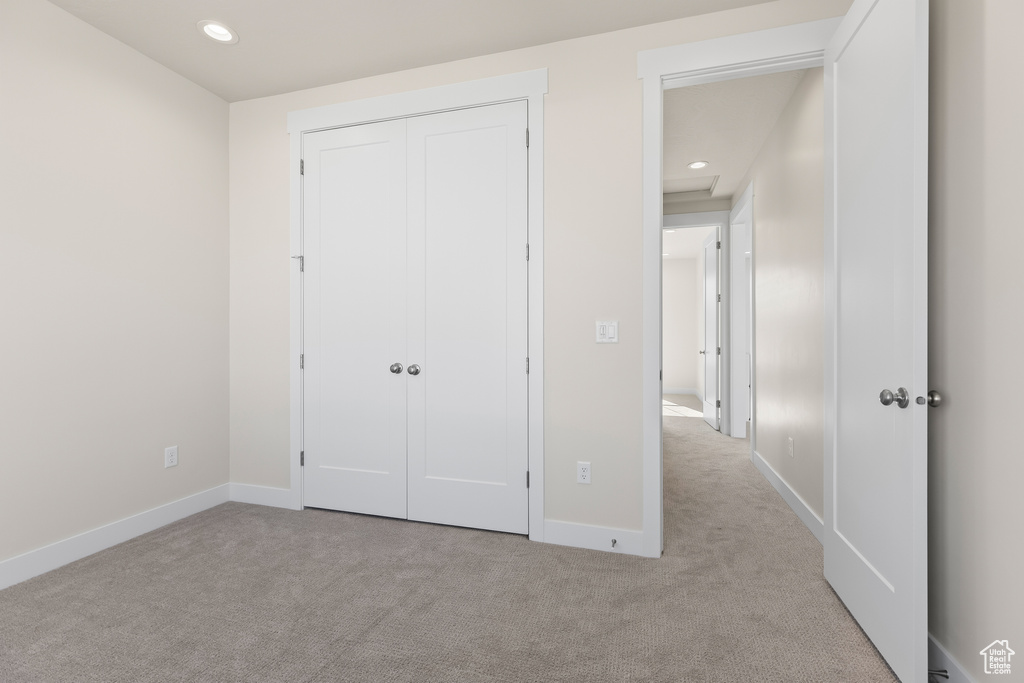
<point x="876" y="210"/>
<point x="467" y="317"/>
<point x="354" y="322"/>
<point x="711" y="341"/>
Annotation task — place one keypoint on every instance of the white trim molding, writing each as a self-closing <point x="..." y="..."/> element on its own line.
<point x="797" y="46"/>
<point x="530" y="86"/>
<point x="810" y="519"/>
<point x="35" y="562"/>
<point x="607" y="539"/>
<point x="940" y="659"/>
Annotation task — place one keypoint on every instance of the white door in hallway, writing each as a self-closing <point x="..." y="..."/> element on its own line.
<point x="876" y="71"/>
<point x="467" y="322"/>
<point x="711" y="341"/>
<point x="415" y="318"/>
<point x="354" y="294"/>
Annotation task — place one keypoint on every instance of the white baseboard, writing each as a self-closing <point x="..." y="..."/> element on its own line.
<point x="689" y="392"/>
<point x="939" y="658"/>
<point x="36" y="562"/>
<point x="264" y="495"/>
<point x="627" y="541"/>
<point x="799" y="506"/>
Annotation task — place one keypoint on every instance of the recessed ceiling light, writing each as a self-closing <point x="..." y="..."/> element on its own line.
<point x="214" y="30"/>
<point x="697" y="164"/>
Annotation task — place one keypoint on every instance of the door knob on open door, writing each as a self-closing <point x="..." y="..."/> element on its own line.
<point x="414" y="369"/>
<point x="901" y="397"/>
<point x="396" y="368"/>
<point x="934" y="399"/>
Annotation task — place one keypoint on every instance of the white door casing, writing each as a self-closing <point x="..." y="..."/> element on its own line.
<point x="354" y="269"/>
<point x="468" y="454"/>
<point x="876" y="108"/>
<point x="711" y="342"/>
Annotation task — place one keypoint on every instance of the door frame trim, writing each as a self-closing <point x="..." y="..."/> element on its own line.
<point x="528" y="85"/>
<point x="798" y="46"/>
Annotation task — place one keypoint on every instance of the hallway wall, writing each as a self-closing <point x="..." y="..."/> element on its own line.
<point x="681" y="307"/>
<point x="789" y="278"/>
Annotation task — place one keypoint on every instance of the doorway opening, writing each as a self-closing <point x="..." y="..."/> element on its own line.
<point x="765" y="128"/>
<point x="664" y="71"/>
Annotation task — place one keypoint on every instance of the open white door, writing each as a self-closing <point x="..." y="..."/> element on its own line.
<point x="712" y="350"/>
<point x="876" y="109"/>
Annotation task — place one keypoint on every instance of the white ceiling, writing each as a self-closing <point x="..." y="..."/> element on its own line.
<point x="723" y="123"/>
<point x="680" y="243"/>
<point x="290" y="45"/>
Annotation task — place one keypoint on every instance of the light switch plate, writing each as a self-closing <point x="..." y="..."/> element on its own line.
<point x="607" y="331"/>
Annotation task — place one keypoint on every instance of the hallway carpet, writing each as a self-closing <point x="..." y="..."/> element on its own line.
<point x="248" y="593"/>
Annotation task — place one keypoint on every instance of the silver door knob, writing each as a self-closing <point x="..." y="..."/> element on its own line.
<point x="934" y="399"/>
<point x="396" y="368"/>
<point x="901" y="397"/>
<point x="414" y="370"/>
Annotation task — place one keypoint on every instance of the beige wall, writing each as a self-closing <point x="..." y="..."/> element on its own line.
<point x="592" y="254"/>
<point x="788" y="214"/>
<point x="976" y="509"/>
<point x="680" y="304"/>
<point x="113" y="280"/>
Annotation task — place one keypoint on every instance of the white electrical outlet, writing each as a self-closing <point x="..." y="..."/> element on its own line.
<point x="170" y="456"/>
<point x="789" y="446"/>
<point x="582" y="472"/>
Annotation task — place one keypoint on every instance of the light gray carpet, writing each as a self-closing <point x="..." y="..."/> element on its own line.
<point x="248" y="593"/>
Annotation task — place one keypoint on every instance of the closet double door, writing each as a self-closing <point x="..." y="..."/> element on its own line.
<point x="415" y="318"/>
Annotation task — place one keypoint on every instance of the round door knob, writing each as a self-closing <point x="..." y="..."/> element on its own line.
<point x="396" y="368"/>
<point x="414" y="370"/>
<point x="901" y="397"/>
<point x="934" y="399"/>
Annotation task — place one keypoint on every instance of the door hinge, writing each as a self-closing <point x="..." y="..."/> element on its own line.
<point x="302" y="458"/>
<point x="718" y="245"/>
<point x="302" y="167"/>
<point x="527" y="251"/>
<point x="660" y="374"/>
<point x="302" y="361"/>
<point x="527" y="478"/>
<point x="527" y="137"/>
<point x="719" y="350"/>
<point x="718" y="404"/>
<point x="527" y="365"/>
<point x="302" y="263"/>
<point x="719" y="298"/>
